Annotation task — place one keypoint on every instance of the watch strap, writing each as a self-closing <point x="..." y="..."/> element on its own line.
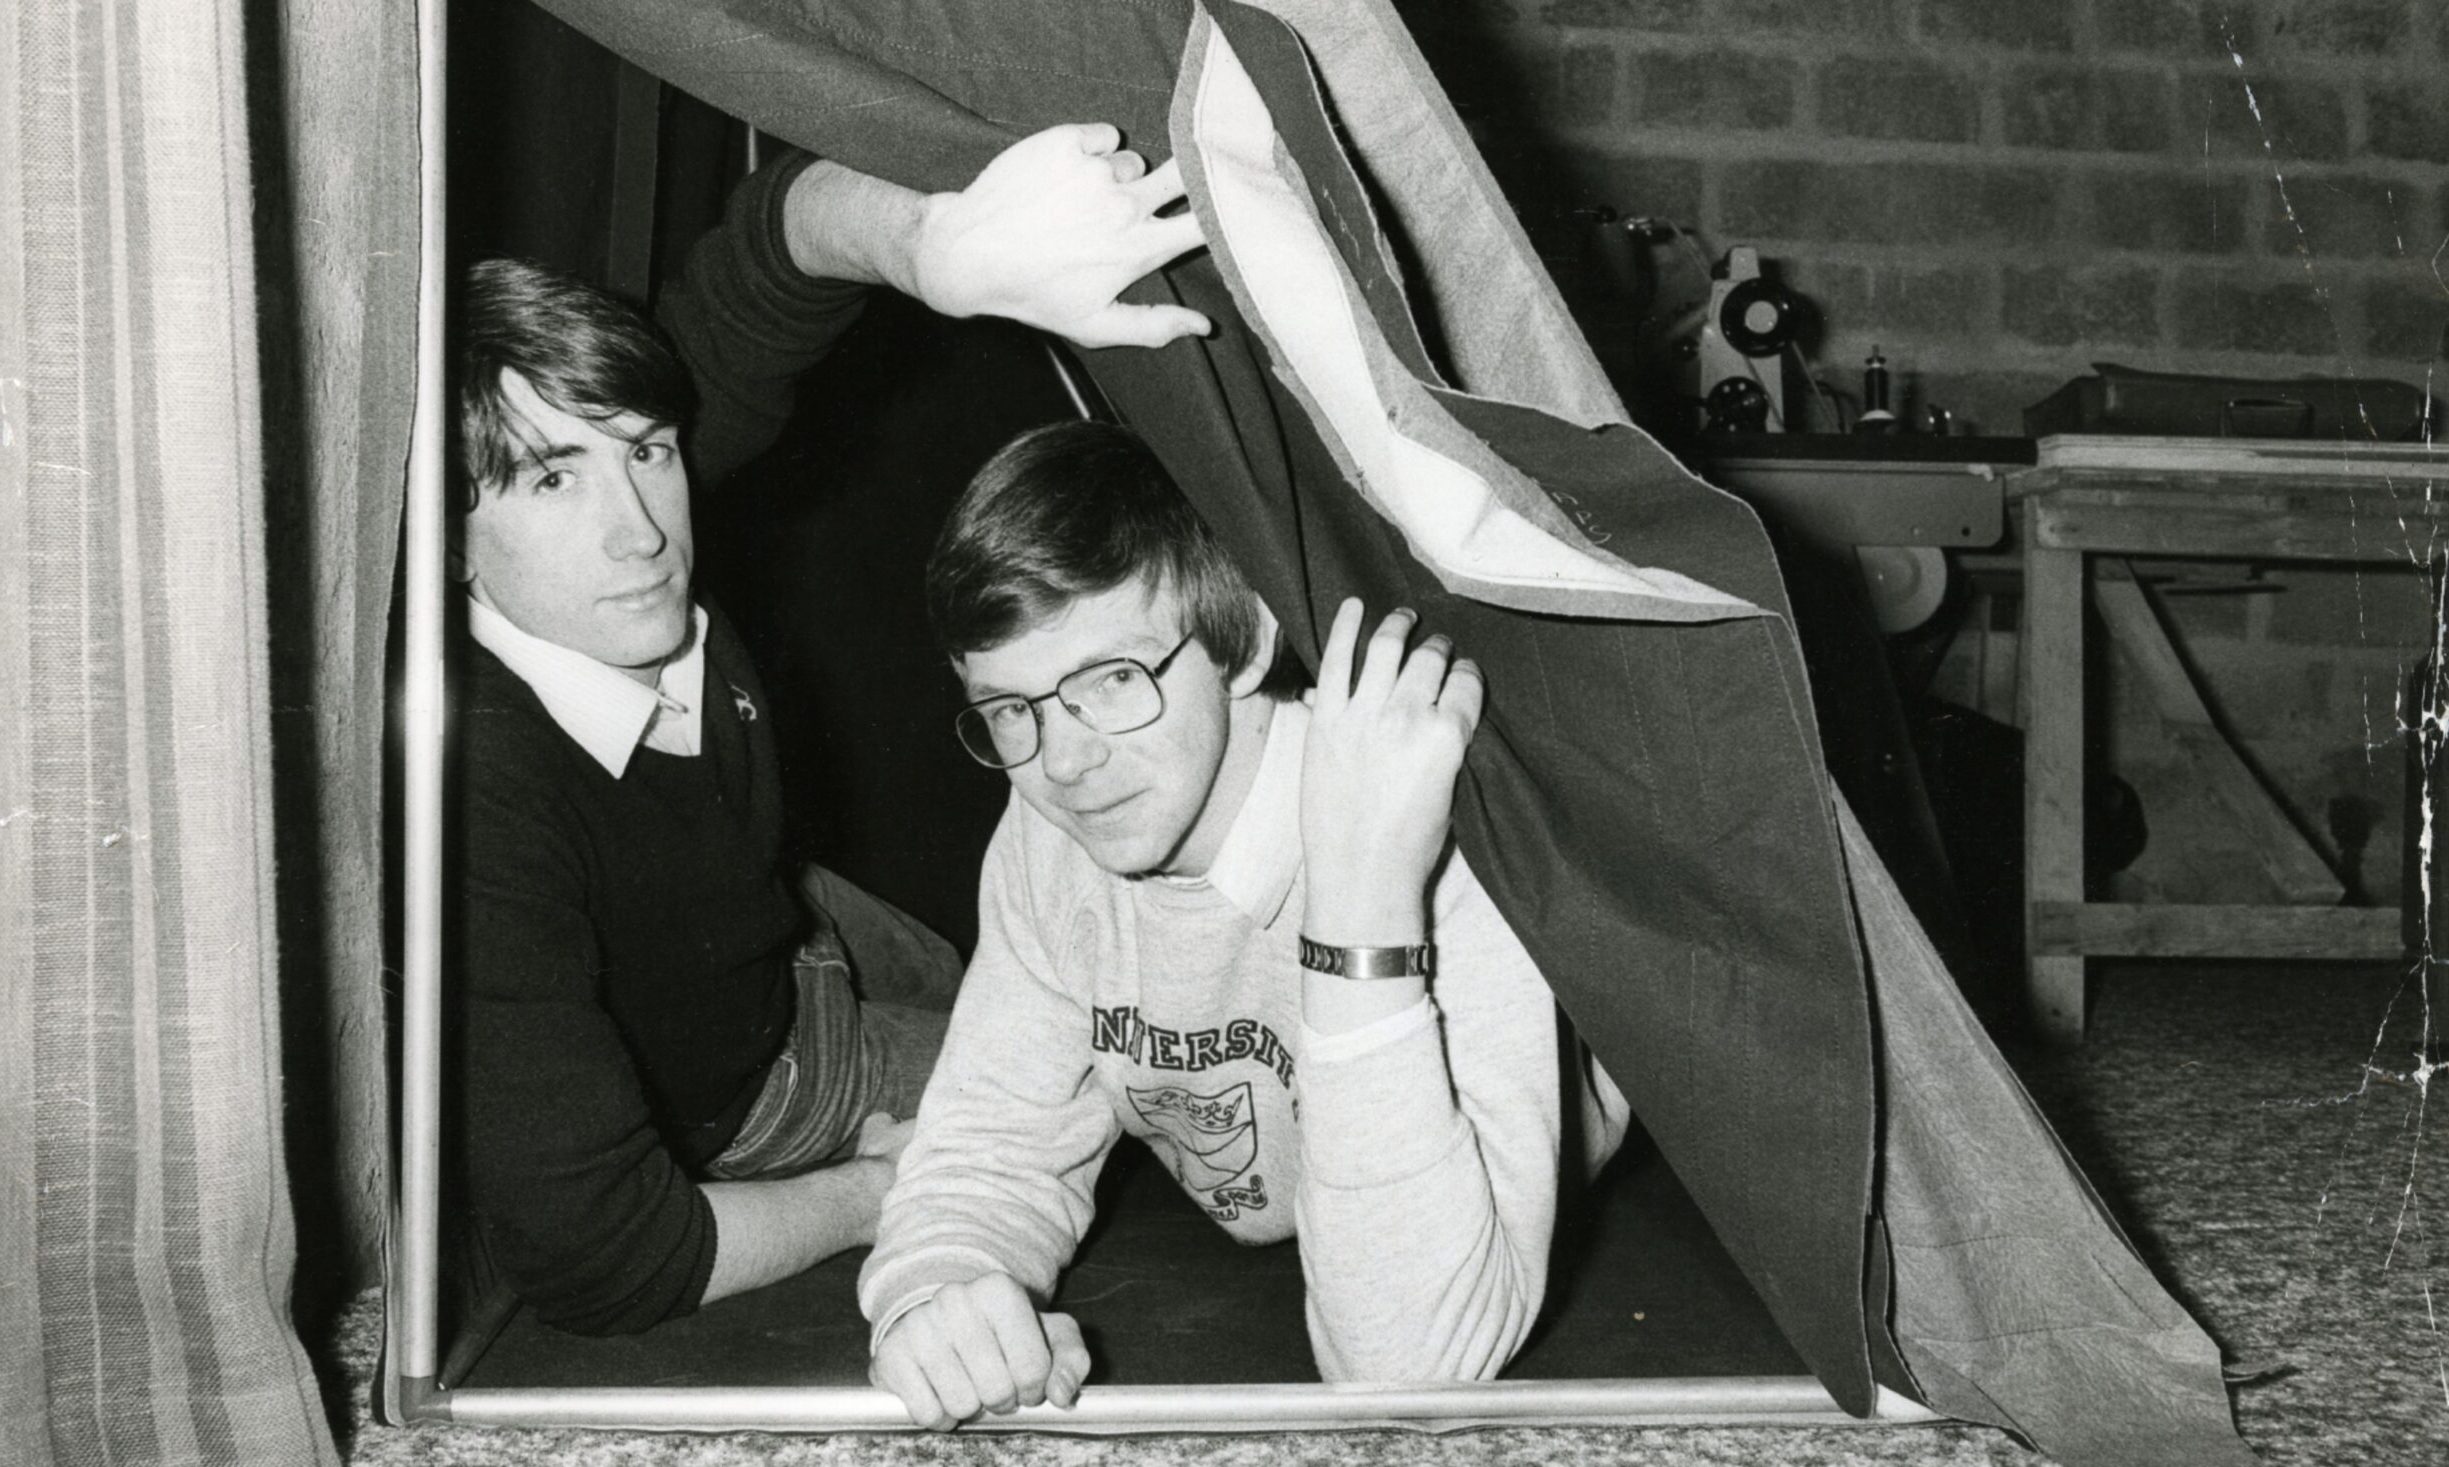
<point x="1418" y="961"/>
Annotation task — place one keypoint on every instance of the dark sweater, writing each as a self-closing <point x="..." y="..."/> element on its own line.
<point x="625" y="943"/>
<point x="748" y="323"/>
<point x="625" y="949"/>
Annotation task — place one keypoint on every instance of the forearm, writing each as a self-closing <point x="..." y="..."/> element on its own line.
<point x="1001" y="1173"/>
<point x="749" y="322"/>
<point x="767" y="1231"/>
<point x="1378" y="909"/>
<point x="1000" y="1177"/>
<point x="1449" y="1293"/>
<point x="844" y="225"/>
<point x="1447" y="1115"/>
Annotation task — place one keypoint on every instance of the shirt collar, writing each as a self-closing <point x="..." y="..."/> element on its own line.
<point x="605" y="710"/>
<point x="1261" y="854"/>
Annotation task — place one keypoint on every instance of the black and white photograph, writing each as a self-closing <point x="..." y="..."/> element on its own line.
<point x="925" y="733"/>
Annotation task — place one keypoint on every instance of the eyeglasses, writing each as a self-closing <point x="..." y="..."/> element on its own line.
<point x="1112" y="697"/>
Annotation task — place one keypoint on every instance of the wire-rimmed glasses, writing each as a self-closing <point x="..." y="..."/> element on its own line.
<point x="1114" y="696"/>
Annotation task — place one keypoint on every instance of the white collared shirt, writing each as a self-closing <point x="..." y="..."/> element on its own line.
<point x="606" y="710"/>
<point x="1261" y="853"/>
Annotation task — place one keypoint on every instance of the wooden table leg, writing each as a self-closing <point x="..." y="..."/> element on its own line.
<point x="2052" y="679"/>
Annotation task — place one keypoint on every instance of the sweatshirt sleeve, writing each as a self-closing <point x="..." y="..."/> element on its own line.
<point x="1446" y="1118"/>
<point x="587" y="1212"/>
<point x="1000" y="1174"/>
<point x="748" y="323"/>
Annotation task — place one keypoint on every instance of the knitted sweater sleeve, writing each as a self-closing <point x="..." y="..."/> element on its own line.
<point x="1429" y="1148"/>
<point x="585" y="1208"/>
<point x="1011" y="1134"/>
<point x="749" y="323"/>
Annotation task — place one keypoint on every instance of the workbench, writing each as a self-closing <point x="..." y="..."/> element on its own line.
<point x="2088" y="503"/>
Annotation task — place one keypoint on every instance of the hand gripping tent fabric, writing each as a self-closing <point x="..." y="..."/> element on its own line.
<point x="1646" y="799"/>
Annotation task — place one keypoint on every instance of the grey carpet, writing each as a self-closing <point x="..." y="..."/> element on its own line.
<point x="2260" y="1132"/>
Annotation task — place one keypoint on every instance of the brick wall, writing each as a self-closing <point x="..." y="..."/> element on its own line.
<point x="1997" y="191"/>
<point x="2001" y="192"/>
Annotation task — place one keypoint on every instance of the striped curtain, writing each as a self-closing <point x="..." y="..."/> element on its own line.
<point x="146" y="1242"/>
<point x="336" y="295"/>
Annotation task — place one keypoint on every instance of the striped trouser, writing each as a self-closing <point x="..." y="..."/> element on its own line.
<point x="851" y="1052"/>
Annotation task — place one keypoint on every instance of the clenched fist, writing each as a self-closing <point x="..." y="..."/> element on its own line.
<point x="979" y="1346"/>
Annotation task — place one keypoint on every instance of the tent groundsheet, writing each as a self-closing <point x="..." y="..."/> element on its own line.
<point x="1195" y="1332"/>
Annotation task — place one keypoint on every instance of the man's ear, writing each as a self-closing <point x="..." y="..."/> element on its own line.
<point x="465" y="499"/>
<point x="1248" y="677"/>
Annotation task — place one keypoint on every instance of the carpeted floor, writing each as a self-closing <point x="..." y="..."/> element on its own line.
<point x="2260" y="1131"/>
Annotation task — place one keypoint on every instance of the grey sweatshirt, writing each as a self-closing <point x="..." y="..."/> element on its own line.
<point x="1416" y="1158"/>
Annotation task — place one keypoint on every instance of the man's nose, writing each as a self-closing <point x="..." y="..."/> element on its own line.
<point x="1068" y="748"/>
<point x="630" y="529"/>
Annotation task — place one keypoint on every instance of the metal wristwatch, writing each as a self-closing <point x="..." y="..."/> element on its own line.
<point x="1370" y="962"/>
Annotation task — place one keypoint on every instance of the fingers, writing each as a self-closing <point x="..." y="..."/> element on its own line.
<point x="1093" y="138"/>
<point x="1127" y="325"/>
<point x="1020" y="1342"/>
<point x="1153" y="191"/>
<point x="902" y="1364"/>
<point x="880" y="1135"/>
<point x="1384" y="657"/>
<point x="1465" y="694"/>
<point x="1163" y="186"/>
<point x="1434" y="677"/>
<point x="945" y="1359"/>
<point x="1429" y="673"/>
<point x="1335" y="659"/>
<point x="875" y="1133"/>
<point x="986" y="1376"/>
<point x="1104" y="140"/>
<point x="981" y="1346"/>
<point x="1166" y="236"/>
<point x="1069" y="1367"/>
<point x="1162" y="240"/>
<point x="1424" y="671"/>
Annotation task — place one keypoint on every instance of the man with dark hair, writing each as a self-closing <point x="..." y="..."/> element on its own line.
<point x="1211" y="919"/>
<point x="683" y="1070"/>
<point x="562" y="341"/>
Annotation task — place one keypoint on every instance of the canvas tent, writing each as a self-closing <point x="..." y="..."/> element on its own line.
<point x="198" y="570"/>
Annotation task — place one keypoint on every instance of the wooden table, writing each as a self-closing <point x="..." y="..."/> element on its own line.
<point x="2214" y="499"/>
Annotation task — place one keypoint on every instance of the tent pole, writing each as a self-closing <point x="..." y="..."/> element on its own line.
<point x="415" y="1241"/>
<point x="1717" y="1400"/>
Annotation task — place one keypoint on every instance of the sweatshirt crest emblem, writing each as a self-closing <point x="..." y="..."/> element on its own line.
<point x="1207" y="1140"/>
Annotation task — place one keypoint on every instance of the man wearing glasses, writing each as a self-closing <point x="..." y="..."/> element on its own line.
<point x="1228" y="922"/>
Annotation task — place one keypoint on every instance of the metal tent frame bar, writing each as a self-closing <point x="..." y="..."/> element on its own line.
<point x="1102" y="1410"/>
<point x="411" y="1347"/>
<point x="408" y="1387"/>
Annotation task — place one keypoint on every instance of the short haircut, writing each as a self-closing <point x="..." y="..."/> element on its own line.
<point x="1077" y="509"/>
<point x="584" y="350"/>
